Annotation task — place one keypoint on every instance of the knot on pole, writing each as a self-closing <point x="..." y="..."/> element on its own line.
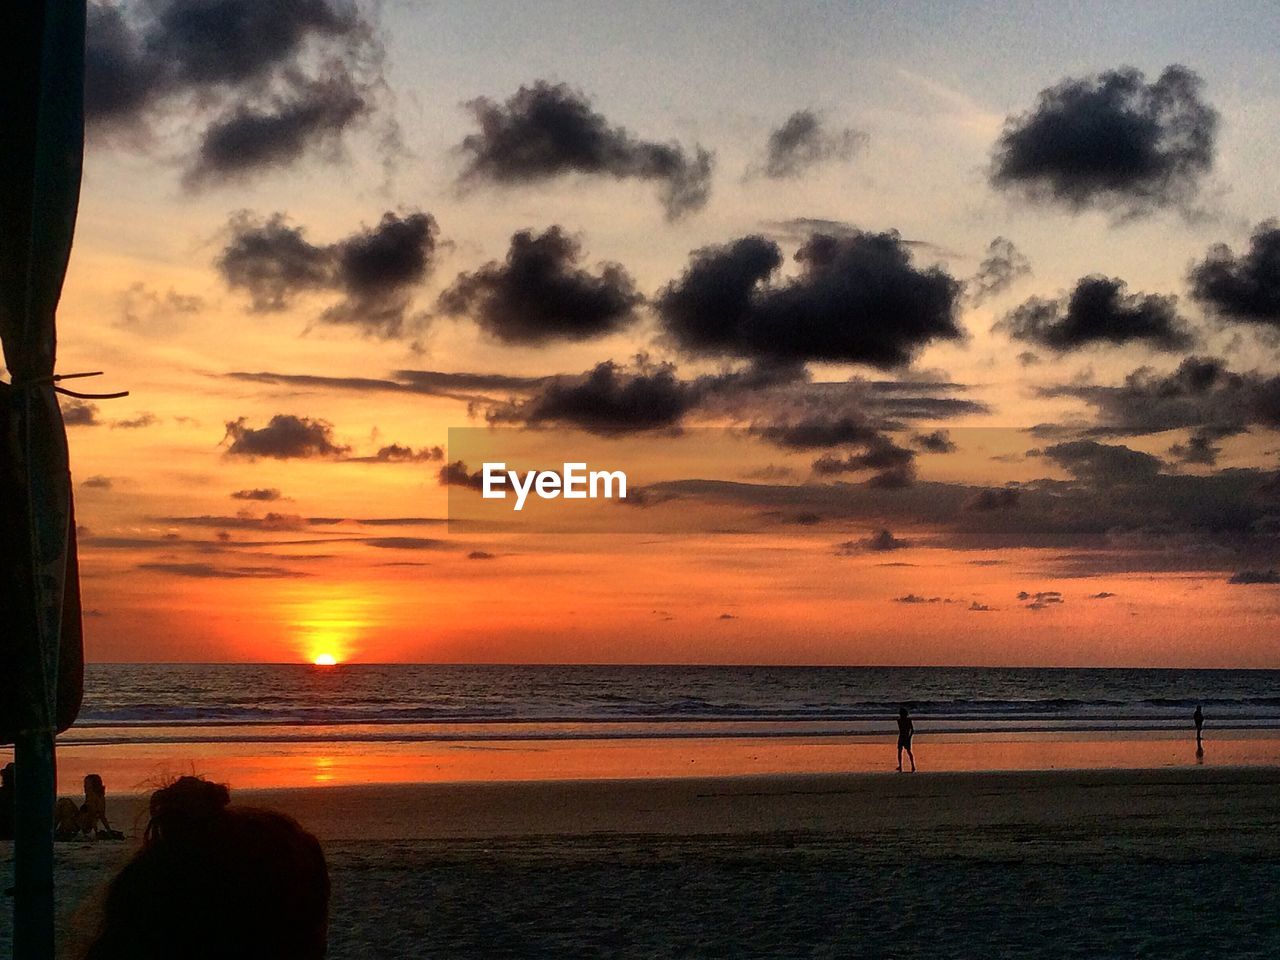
<point x="54" y="379"/>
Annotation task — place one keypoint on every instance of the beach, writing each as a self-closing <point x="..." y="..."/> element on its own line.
<point x="1124" y="862"/>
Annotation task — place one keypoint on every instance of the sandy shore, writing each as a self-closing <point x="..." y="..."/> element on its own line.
<point x="1160" y="863"/>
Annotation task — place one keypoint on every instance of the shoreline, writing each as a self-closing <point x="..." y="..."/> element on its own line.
<point x="139" y="768"/>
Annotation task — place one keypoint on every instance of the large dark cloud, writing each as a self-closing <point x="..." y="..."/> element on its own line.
<point x="1099" y="311"/>
<point x="285" y="437"/>
<point x="249" y="138"/>
<point x="548" y="130"/>
<point x="1103" y="463"/>
<point x="857" y="299"/>
<point x="374" y="269"/>
<point x="263" y="81"/>
<point x="1002" y="267"/>
<point x="1111" y="141"/>
<point x="208" y="571"/>
<point x="1202" y="395"/>
<point x="803" y="141"/>
<point x="606" y="400"/>
<point x="1245" y="288"/>
<point x="541" y="293"/>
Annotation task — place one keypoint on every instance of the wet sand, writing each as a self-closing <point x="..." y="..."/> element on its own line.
<point x="1160" y="863"/>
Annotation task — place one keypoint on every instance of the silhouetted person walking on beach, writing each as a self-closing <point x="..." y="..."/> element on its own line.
<point x="906" y="729"/>
<point x="1198" y="717"/>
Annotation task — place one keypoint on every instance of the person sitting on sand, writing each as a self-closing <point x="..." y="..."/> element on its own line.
<point x="214" y="881"/>
<point x="906" y="730"/>
<point x="94" y="810"/>
<point x="1198" y="717"/>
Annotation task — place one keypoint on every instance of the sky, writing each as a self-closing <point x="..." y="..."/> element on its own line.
<point x="928" y="333"/>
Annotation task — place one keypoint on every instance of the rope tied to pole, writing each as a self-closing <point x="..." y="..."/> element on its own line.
<point x="56" y="378"/>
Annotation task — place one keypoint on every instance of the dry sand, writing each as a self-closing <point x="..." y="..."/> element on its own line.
<point x="1152" y="863"/>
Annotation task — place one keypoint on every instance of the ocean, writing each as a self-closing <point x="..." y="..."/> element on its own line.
<point x="174" y="703"/>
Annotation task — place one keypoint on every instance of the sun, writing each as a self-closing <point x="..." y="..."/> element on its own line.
<point x="326" y="660"/>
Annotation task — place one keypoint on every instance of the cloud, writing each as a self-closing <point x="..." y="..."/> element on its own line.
<point x="937" y="441"/>
<point x="999" y="270"/>
<point x="541" y="293"/>
<point x="998" y="498"/>
<point x="977" y="607"/>
<point x="285" y="437"/>
<point x="1201" y="395"/>
<point x="727" y="616"/>
<point x="803" y="142"/>
<point x="1103" y="463"/>
<point x="142" y="420"/>
<point x="606" y="400"/>
<point x="207" y="571"/>
<point x="147" y="311"/>
<point x="1111" y="141"/>
<point x="97" y="483"/>
<point x="455" y="474"/>
<point x="1099" y="311"/>
<point x="916" y="598"/>
<point x="1102" y="595"/>
<point x="1256" y="576"/>
<point x="374" y="269"/>
<point x="247" y="138"/>
<point x="882" y="541"/>
<point x="264" y="494"/>
<point x="79" y="413"/>
<point x="1041" y="599"/>
<point x="399" y="453"/>
<point x="261" y="82"/>
<point x="481" y="555"/>
<point x="406" y="543"/>
<point x="857" y="299"/>
<point x="549" y="130"/>
<point x="1244" y="288"/>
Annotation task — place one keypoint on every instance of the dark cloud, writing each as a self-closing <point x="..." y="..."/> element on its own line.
<point x="541" y="293"/>
<point x="881" y="454"/>
<point x="1202" y="395"/>
<point x="548" y="130"/>
<point x="937" y="441"/>
<point x="136" y="423"/>
<point x="998" y="498"/>
<point x="481" y="555"/>
<point x="1041" y="599"/>
<point x="916" y="598"/>
<point x="1243" y="288"/>
<point x="607" y="400"/>
<point x="248" y="139"/>
<point x="1103" y="595"/>
<point x="79" y="413"/>
<point x="1111" y="141"/>
<point x="374" y="269"/>
<point x="803" y="142"/>
<point x="263" y="82"/>
<point x="883" y="541"/>
<point x="857" y="299"/>
<point x="816" y="432"/>
<point x="97" y="483"/>
<point x="977" y="607"/>
<point x="1099" y="311"/>
<point x="207" y="571"/>
<point x="1103" y="463"/>
<point x="399" y="453"/>
<point x="285" y="437"/>
<point x="999" y="270"/>
<point x="455" y="474"/>
<point x="1256" y="576"/>
<point x="406" y="543"/>
<point x="264" y="494"/>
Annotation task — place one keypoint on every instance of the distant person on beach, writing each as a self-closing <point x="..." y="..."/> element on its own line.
<point x="215" y="881"/>
<point x="6" y="802"/>
<point x="1198" y="717"/>
<point x="71" y="821"/>
<point x="906" y="730"/>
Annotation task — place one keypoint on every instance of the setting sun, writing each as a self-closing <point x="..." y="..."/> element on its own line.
<point x="326" y="660"/>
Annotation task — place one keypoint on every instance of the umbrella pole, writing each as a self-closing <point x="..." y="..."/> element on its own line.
<point x="35" y="793"/>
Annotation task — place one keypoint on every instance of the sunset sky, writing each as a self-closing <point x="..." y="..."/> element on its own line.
<point x="981" y="314"/>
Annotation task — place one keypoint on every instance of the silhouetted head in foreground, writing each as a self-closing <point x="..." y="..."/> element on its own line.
<point x="216" y="881"/>
<point x="902" y="711"/>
